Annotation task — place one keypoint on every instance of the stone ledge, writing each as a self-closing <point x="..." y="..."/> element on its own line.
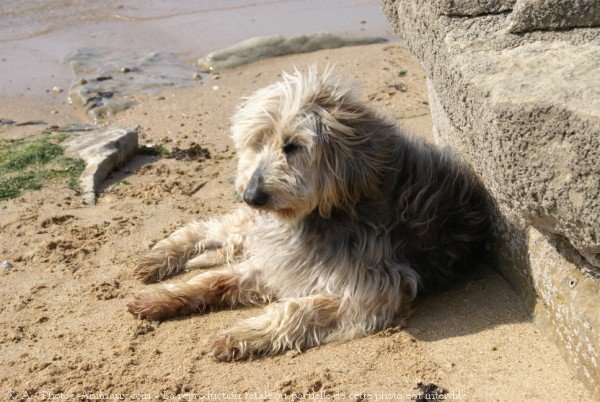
<point x="524" y="111"/>
<point x="103" y="150"/>
<point x="556" y="284"/>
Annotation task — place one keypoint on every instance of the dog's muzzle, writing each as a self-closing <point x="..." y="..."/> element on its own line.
<point x="254" y="195"/>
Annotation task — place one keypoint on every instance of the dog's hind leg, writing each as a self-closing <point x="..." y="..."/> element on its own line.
<point x="231" y="286"/>
<point x="298" y="323"/>
<point x="197" y="245"/>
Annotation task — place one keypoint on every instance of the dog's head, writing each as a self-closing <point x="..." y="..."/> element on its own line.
<point x="304" y="144"/>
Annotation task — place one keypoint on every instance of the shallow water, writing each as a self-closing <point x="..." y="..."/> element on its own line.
<point x="36" y="35"/>
<point x="104" y="79"/>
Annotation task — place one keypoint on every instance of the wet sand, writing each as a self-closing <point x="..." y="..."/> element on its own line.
<point x="64" y="329"/>
<point x="36" y="35"/>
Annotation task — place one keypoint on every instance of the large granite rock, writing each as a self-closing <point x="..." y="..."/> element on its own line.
<point x="524" y="110"/>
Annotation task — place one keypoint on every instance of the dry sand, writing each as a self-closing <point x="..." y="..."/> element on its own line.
<point x="64" y="329"/>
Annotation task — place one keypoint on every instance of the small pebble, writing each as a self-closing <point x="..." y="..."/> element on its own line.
<point x="82" y="81"/>
<point x="125" y="70"/>
<point x="6" y="265"/>
<point x="54" y="111"/>
<point x="197" y="76"/>
<point x="216" y="88"/>
<point x="57" y="90"/>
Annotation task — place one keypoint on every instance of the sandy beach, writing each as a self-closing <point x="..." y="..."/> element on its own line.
<point x="65" y="332"/>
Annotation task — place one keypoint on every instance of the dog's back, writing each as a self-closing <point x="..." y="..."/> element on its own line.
<point x="429" y="213"/>
<point x="441" y="219"/>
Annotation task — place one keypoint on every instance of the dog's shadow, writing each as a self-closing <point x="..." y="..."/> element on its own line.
<point x="480" y="301"/>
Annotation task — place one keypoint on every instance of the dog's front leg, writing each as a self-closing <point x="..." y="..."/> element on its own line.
<point x="231" y="286"/>
<point x="299" y="323"/>
<point x="197" y="245"/>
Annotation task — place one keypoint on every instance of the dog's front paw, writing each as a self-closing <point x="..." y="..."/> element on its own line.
<point x="147" y="306"/>
<point x="226" y="348"/>
<point x="160" y="304"/>
<point x="152" y="267"/>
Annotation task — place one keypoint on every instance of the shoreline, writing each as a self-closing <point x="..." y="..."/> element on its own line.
<point x="184" y="29"/>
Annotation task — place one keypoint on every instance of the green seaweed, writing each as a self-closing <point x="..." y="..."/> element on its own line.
<point x="152" y="150"/>
<point x="33" y="163"/>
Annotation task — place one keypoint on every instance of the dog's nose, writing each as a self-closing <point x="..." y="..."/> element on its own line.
<point x="255" y="197"/>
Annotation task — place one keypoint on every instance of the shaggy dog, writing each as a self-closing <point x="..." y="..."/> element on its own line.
<point x="347" y="218"/>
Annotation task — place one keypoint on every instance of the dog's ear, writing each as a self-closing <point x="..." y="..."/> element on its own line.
<point x="354" y="144"/>
<point x="347" y="156"/>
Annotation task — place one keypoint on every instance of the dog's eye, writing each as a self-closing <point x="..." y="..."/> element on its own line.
<point x="290" y="148"/>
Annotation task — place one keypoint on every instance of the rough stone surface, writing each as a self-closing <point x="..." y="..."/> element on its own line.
<point x="572" y="298"/>
<point x="271" y="46"/>
<point x="103" y="151"/>
<point x="462" y="8"/>
<point x="524" y="110"/>
<point x="531" y="15"/>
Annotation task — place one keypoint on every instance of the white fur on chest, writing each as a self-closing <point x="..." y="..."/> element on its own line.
<point x="290" y="267"/>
